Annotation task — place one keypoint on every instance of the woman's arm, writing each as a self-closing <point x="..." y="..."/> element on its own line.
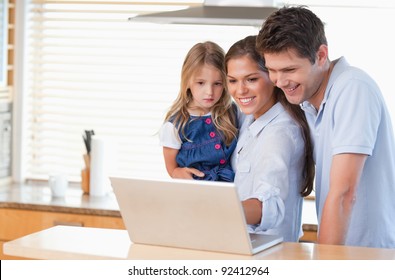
<point x="266" y="185"/>
<point x="252" y="210"/>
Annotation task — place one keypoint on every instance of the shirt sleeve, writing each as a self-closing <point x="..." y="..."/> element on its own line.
<point x="356" y="117"/>
<point x="273" y="209"/>
<point x="168" y="136"/>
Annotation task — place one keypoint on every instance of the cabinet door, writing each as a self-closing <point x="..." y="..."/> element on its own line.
<point x="16" y="223"/>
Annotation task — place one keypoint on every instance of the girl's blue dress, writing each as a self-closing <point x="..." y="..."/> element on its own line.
<point x="206" y="150"/>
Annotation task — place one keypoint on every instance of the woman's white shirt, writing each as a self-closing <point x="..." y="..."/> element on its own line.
<point x="269" y="161"/>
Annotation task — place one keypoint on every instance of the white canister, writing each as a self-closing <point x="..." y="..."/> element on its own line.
<point x="58" y="184"/>
<point x="99" y="183"/>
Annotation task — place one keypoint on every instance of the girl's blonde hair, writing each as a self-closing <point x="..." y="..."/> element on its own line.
<point x="223" y="113"/>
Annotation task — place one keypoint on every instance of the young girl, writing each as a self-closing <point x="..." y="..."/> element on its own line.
<point x="199" y="132"/>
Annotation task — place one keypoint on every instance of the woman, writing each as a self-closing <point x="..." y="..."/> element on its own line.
<point x="273" y="157"/>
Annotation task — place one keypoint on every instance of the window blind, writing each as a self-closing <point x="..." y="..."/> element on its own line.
<point x="3" y="45"/>
<point x="90" y="68"/>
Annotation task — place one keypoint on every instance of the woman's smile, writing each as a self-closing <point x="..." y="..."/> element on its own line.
<point x="246" y="100"/>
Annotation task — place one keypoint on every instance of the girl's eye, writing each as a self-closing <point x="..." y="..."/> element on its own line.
<point x="218" y="84"/>
<point x="231" y="81"/>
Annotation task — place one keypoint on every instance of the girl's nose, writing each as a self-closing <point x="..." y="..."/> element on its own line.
<point x="210" y="90"/>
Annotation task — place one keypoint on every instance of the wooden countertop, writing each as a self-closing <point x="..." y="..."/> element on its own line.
<point x="67" y="242"/>
<point x="37" y="196"/>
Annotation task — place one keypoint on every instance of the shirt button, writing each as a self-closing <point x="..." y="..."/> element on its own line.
<point x="208" y="121"/>
<point x="212" y="134"/>
<point x="217" y="146"/>
<point x="222" y="161"/>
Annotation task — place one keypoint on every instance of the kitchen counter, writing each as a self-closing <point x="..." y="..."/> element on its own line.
<point x="78" y="243"/>
<point x="29" y="208"/>
<point x="36" y="196"/>
<point x="33" y="203"/>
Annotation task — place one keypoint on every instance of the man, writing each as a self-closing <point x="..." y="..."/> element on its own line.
<point x="354" y="147"/>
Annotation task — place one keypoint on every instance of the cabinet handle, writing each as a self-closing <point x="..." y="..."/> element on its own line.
<point x="62" y="223"/>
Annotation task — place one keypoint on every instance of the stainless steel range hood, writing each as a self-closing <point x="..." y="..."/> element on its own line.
<point x="216" y="12"/>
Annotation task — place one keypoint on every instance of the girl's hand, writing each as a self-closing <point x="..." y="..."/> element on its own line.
<point x="186" y="173"/>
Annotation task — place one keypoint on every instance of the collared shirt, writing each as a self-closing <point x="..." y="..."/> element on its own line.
<point x="353" y="118"/>
<point x="268" y="161"/>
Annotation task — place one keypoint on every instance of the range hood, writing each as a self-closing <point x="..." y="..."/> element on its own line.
<point x="216" y="12"/>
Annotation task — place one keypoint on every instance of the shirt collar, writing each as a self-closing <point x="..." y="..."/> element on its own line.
<point x="337" y="70"/>
<point x="256" y="126"/>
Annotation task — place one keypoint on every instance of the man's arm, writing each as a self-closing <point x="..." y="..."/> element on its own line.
<point x="345" y="173"/>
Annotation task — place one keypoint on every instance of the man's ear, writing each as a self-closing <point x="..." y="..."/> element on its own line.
<point x="322" y="55"/>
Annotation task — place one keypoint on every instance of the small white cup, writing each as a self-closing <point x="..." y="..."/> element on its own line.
<point x="58" y="185"/>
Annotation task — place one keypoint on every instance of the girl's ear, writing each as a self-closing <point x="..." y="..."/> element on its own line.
<point x="189" y="95"/>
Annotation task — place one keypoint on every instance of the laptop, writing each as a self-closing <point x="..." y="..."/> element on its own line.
<point x="189" y="214"/>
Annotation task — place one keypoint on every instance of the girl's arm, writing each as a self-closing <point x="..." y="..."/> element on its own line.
<point x="174" y="170"/>
<point x="169" y="155"/>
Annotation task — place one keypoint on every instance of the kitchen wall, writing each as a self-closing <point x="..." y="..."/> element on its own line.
<point x="361" y="34"/>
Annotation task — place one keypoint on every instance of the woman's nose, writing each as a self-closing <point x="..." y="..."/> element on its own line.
<point x="241" y="88"/>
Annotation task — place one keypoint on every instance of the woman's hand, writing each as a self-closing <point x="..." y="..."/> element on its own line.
<point x="252" y="211"/>
<point x="186" y="173"/>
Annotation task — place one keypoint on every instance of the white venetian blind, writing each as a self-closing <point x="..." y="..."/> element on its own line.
<point x="3" y="47"/>
<point x="90" y="68"/>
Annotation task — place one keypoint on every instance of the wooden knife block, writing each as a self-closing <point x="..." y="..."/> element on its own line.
<point x="85" y="180"/>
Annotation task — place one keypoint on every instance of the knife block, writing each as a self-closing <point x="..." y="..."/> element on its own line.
<point x="85" y="178"/>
